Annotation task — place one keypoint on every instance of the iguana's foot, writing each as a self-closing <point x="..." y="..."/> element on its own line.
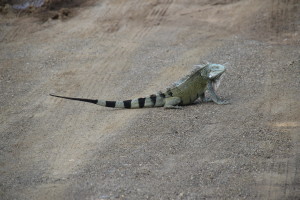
<point x="222" y="102"/>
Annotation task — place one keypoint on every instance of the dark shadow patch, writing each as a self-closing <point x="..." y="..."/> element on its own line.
<point x="169" y="92"/>
<point x="162" y="95"/>
<point x="44" y="9"/>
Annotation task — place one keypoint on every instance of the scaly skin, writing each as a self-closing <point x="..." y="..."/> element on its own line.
<point x="182" y="92"/>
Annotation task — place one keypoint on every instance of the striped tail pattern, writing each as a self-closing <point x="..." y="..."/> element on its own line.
<point x="154" y="100"/>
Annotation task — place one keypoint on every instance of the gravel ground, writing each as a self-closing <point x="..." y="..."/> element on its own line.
<point x="114" y="50"/>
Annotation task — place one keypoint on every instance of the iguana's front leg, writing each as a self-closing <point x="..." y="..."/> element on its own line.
<point x="172" y="102"/>
<point x="205" y="99"/>
<point x="213" y="94"/>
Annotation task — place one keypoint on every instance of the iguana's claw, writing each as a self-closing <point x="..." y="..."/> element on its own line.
<point x="223" y="102"/>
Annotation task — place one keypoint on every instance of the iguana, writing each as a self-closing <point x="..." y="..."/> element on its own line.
<point x="182" y="92"/>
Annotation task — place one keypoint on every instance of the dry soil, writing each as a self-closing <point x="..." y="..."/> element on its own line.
<point x="114" y="50"/>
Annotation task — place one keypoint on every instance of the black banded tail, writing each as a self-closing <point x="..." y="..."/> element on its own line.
<point x="111" y="104"/>
<point x="94" y="101"/>
<point x="153" y="100"/>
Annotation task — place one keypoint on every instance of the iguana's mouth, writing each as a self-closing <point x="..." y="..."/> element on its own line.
<point x="215" y="71"/>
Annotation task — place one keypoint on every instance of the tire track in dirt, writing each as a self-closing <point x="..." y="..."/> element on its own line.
<point x="109" y="66"/>
<point x="59" y="139"/>
<point x="154" y="18"/>
<point x="107" y="69"/>
<point x="284" y="12"/>
<point x="281" y="175"/>
<point x="69" y="149"/>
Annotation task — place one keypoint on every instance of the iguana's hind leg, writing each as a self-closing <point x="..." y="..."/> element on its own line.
<point x="214" y="96"/>
<point x="172" y="102"/>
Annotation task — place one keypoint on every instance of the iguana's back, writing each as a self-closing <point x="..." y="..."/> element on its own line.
<point x="189" y="88"/>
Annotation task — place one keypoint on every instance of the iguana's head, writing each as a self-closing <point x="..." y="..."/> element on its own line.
<point x="212" y="71"/>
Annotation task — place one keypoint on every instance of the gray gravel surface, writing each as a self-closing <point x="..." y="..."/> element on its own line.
<point x="114" y="50"/>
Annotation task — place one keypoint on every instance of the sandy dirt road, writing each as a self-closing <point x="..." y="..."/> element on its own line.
<point x="115" y="50"/>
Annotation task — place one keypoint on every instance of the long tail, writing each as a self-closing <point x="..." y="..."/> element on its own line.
<point x="154" y="100"/>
